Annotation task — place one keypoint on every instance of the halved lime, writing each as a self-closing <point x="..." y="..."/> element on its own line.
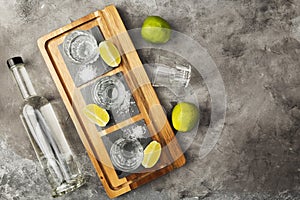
<point x="151" y="154"/>
<point x="96" y="114"/>
<point x="109" y="53"/>
<point x="156" y="30"/>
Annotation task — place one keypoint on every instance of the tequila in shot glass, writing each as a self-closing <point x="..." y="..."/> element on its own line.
<point x="109" y="92"/>
<point x="127" y="154"/>
<point x="81" y="47"/>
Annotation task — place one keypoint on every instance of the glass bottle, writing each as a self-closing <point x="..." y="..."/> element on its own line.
<point x="46" y="135"/>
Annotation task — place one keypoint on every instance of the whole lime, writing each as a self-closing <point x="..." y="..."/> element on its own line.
<point x="185" y="116"/>
<point x="156" y="30"/>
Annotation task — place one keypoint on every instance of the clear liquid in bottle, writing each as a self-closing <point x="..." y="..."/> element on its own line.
<point x="46" y="135"/>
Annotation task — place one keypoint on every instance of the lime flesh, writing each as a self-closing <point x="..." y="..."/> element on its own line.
<point x="151" y="154"/>
<point x="109" y="53"/>
<point x="185" y="116"/>
<point x="96" y="114"/>
<point x="156" y="30"/>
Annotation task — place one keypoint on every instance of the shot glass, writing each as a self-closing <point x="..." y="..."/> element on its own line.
<point x="126" y="154"/>
<point x="171" y="77"/>
<point x="109" y="92"/>
<point x="81" y="47"/>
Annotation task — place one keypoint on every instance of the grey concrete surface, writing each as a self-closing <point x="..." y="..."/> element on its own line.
<point x="256" y="46"/>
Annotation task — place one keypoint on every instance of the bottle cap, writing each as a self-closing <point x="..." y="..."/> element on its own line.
<point x="14" y="61"/>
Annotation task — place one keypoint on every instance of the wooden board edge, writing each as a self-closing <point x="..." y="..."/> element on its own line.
<point x="73" y="25"/>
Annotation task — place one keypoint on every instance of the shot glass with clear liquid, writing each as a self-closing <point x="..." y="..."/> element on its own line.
<point x="109" y="92"/>
<point x="127" y="154"/>
<point x="81" y="47"/>
<point x="46" y="135"/>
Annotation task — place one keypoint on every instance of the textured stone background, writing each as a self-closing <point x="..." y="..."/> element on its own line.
<point x="256" y="46"/>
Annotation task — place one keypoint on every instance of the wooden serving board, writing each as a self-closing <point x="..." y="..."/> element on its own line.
<point x="147" y="111"/>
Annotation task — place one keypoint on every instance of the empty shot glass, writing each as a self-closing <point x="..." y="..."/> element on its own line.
<point x="171" y="77"/>
<point x="81" y="47"/>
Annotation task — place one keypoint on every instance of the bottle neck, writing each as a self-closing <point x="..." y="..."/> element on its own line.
<point x="23" y="81"/>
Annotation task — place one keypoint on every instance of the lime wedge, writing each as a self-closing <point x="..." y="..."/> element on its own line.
<point x="96" y="114"/>
<point x="151" y="154"/>
<point x="109" y="53"/>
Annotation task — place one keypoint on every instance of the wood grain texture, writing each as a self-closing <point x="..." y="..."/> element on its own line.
<point x="112" y="28"/>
